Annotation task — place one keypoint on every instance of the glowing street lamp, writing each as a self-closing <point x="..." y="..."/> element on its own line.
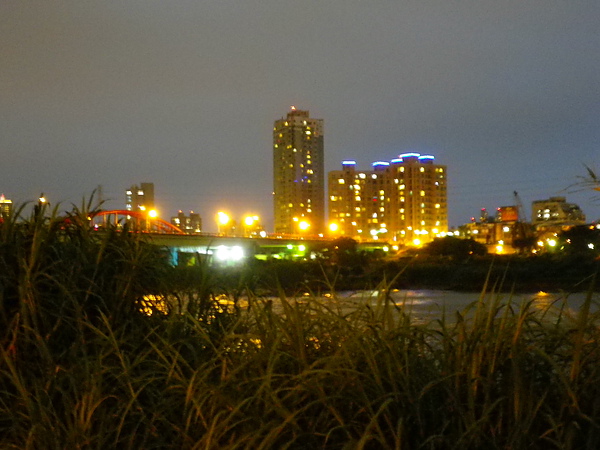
<point x="334" y="227"/>
<point x="303" y="225"/>
<point x="251" y="225"/>
<point x="223" y="220"/>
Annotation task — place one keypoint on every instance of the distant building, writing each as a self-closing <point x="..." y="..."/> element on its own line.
<point x="188" y="224"/>
<point x="140" y="198"/>
<point x="298" y="174"/>
<point x="556" y="211"/>
<point x="6" y="208"/>
<point x="404" y="200"/>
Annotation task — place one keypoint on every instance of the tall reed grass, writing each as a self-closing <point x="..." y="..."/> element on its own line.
<point x="81" y="366"/>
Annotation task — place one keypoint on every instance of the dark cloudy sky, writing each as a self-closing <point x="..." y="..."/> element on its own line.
<point x="184" y="94"/>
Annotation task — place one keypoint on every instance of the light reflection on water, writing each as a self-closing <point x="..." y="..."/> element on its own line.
<point x="428" y="304"/>
<point x="422" y="305"/>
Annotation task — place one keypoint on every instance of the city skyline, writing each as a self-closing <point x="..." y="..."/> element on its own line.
<point x="184" y="95"/>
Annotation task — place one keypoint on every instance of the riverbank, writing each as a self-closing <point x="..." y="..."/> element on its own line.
<point x="498" y="273"/>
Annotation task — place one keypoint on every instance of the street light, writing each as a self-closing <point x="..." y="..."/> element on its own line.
<point x="251" y="225"/>
<point x="223" y="220"/>
<point x="303" y="225"/>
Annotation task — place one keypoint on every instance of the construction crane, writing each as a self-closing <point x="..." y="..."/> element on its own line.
<point x="520" y="209"/>
<point x="523" y="235"/>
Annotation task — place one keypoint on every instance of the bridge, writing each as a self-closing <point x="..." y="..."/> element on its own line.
<point x="186" y="249"/>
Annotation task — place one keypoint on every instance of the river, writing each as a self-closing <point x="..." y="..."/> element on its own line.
<point x="426" y="305"/>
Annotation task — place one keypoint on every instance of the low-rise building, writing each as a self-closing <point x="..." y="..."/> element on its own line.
<point x="6" y="207"/>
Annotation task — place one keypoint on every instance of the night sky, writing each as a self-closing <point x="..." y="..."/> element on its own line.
<point x="184" y="93"/>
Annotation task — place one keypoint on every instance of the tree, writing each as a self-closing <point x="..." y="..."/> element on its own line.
<point x="454" y="247"/>
<point x="580" y="240"/>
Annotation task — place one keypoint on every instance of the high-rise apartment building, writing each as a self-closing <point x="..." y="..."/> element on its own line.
<point x="298" y="174"/>
<point x="140" y="198"/>
<point x="403" y="200"/>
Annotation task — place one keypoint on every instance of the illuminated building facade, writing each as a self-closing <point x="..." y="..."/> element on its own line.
<point x="298" y="174"/>
<point x="188" y="224"/>
<point x="403" y="200"/>
<point x="6" y="207"/>
<point x="140" y="198"/>
<point x="556" y="210"/>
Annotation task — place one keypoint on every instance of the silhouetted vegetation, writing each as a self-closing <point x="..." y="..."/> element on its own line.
<point x="454" y="248"/>
<point x="104" y="345"/>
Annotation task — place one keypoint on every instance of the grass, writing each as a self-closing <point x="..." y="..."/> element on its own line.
<point x="82" y="367"/>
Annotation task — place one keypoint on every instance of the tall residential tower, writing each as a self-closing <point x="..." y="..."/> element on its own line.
<point x="298" y="174"/>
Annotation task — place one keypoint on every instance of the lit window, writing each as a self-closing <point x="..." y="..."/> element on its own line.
<point x="341" y="181"/>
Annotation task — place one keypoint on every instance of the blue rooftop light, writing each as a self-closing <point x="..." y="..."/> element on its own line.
<point x="380" y="163"/>
<point x="427" y="157"/>
<point x="349" y="162"/>
<point x="396" y="160"/>
<point x="409" y="155"/>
